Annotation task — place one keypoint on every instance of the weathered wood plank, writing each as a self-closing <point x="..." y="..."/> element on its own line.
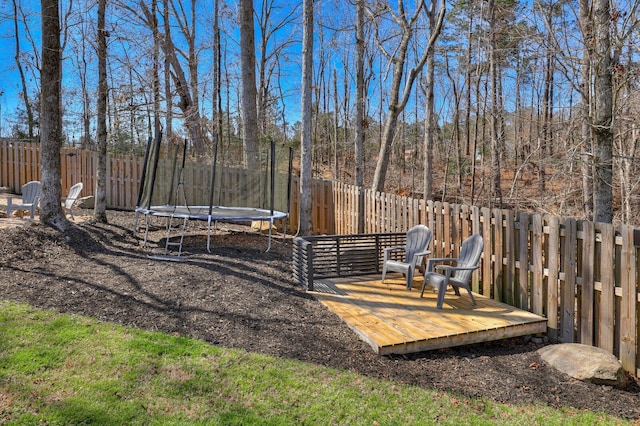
<point x="629" y="301"/>
<point x="509" y="256"/>
<point x="567" y="288"/>
<point x="537" y="282"/>
<point x="553" y="271"/>
<point x="607" y="312"/>
<point x="487" y="279"/>
<point x="498" y="261"/>
<point x="587" y="288"/>
<point x="523" y="260"/>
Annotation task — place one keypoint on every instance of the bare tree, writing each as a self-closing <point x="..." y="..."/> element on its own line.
<point x="304" y="222"/>
<point x="603" y="115"/>
<point x="249" y="91"/>
<point x="99" y="212"/>
<point x="51" y="212"/>
<point x="429" y="121"/>
<point x="585" y="91"/>
<point x="188" y="105"/>
<point x="397" y="59"/>
<point x="497" y="136"/>
<point x="360" y="96"/>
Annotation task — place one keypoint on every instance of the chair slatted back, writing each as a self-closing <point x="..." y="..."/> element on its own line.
<point x="470" y="254"/>
<point x="31" y="192"/>
<point x="418" y="239"/>
<point x="74" y="193"/>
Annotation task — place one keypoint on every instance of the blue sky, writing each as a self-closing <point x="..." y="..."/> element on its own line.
<point x="336" y="52"/>
<point x="10" y="82"/>
<point x="10" y="86"/>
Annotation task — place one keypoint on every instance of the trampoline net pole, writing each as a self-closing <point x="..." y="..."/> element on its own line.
<point x="213" y="173"/>
<point x="149" y="183"/>
<point x="272" y="182"/>
<point x="144" y="170"/>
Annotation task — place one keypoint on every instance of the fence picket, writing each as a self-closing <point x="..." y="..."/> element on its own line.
<point x="523" y="260"/>
<point x="498" y="261"/>
<point x="606" y="312"/>
<point x="567" y="286"/>
<point x="537" y="282"/>
<point x="587" y="289"/>
<point x="509" y="255"/>
<point x="629" y="301"/>
<point x="487" y="281"/>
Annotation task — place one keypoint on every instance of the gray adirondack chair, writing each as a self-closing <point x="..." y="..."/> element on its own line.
<point x="457" y="272"/>
<point x="417" y="246"/>
<point x="72" y="197"/>
<point x="31" y="192"/>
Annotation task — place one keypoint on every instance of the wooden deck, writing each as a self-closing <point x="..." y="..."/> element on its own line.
<point x="396" y="321"/>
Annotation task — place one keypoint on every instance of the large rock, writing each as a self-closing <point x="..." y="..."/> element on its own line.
<point x="586" y="363"/>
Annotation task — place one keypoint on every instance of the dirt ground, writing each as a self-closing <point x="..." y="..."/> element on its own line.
<point x="240" y="296"/>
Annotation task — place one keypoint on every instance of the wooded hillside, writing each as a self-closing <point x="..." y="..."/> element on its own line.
<point x="498" y="103"/>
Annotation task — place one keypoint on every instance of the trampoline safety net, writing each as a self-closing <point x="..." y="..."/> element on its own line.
<point x="174" y="175"/>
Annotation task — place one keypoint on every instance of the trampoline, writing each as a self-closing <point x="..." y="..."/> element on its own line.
<point x="248" y="195"/>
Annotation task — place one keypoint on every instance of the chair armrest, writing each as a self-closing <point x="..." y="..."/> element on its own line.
<point x="450" y="268"/>
<point x="419" y="255"/>
<point x="389" y="250"/>
<point x="432" y="261"/>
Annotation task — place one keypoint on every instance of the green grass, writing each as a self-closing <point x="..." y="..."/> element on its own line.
<point x="63" y="369"/>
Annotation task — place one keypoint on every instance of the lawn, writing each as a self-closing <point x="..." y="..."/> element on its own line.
<point x="71" y="369"/>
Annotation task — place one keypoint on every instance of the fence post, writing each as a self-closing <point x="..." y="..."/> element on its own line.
<point x="629" y="302"/>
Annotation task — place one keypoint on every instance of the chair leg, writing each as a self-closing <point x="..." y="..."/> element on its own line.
<point x="384" y="273"/>
<point x="424" y="285"/>
<point x="442" y="289"/>
<point x="409" y="279"/>
<point x="473" y="300"/>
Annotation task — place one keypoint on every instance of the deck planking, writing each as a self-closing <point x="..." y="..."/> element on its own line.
<point x="393" y="320"/>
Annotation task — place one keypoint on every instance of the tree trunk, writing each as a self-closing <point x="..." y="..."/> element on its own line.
<point x="249" y="93"/>
<point x="187" y="104"/>
<point x="496" y="133"/>
<point x="51" y="212"/>
<point x="603" y="116"/>
<point x="360" y="111"/>
<point x="156" y="70"/>
<point x="305" y="226"/>
<point x="585" y="89"/>
<point x="168" y="92"/>
<point x="100" y="210"/>
<point x="430" y="129"/>
<point x="217" y="72"/>
<point x="360" y="97"/>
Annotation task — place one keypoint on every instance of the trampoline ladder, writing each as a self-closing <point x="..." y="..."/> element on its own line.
<point x="172" y="230"/>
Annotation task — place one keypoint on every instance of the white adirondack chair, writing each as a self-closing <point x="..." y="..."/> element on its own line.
<point x="72" y="197"/>
<point x="31" y="192"/>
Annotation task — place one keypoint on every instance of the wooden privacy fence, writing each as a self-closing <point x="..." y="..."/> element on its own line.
<point x="20" y="163"/>
<point x="582" y="276"/>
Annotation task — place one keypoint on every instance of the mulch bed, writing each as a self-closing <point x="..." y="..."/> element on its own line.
<point x="240" y="296"/>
